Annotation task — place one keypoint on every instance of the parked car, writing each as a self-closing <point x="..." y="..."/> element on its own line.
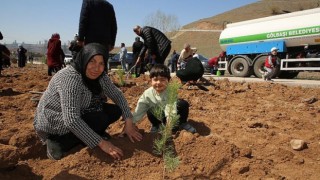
<point x="114" y="62"/>
<point x="204" y="60"/>
<point x="67" y="59"/>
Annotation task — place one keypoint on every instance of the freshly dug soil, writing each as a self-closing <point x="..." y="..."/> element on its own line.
<point x="244" y="132"/>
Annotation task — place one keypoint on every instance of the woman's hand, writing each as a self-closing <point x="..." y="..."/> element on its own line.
<point x="110" y="149"/>
<point x="132" y="131"/>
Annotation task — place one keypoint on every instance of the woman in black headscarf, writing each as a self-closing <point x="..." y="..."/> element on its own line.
<point x="73" y="109"/>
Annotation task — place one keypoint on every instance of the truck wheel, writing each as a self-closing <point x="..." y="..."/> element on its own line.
<point x="258" y="67"/>
<point x="287" y="75"/>
<point x="240" y="68"/>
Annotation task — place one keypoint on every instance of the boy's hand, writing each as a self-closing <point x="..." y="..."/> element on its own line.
<point x="132" y="131"/>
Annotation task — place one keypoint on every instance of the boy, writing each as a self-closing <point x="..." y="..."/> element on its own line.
<point x="156" y="96"/>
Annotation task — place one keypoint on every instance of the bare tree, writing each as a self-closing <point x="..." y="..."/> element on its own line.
<point x="163" y="22"/>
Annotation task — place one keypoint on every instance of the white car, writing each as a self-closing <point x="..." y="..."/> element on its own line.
<point x="67" y="59"/>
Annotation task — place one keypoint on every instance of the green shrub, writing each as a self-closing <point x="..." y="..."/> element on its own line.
<point x="120" y="74"/>
<point x="164" y="144"/>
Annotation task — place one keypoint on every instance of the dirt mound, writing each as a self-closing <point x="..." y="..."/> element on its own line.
<point x="244" y="132"/>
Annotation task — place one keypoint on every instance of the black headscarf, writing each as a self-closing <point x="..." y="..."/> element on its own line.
<point x="81" y="62"/>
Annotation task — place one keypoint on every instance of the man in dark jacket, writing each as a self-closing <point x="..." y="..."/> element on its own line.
<point x="74" y="47"/>
<point x="157" y="44"/>
<point x="97" y="23"/>
<point x="136" y="48"/>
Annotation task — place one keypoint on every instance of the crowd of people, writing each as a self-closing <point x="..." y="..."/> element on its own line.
<point x="73" y="110"/>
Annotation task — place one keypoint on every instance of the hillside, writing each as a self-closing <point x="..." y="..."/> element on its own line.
<point x="208" y="42"/>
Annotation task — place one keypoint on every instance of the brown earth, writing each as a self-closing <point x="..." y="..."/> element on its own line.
<point x="244" y="129"/>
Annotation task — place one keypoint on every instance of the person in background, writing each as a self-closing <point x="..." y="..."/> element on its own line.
<point x="1" y="50"/>
<point x="4" y="57"/>
<point x="55" y="54"/>
<point x="270" y="64"/>
<point x="192" y="72"/>
<point x="73" y="109"/>
<point x="157" y="43"/>
<point x="22" y="57"/>
<point x="174" y="61"/>
<point x="74" y="47"/>
<point x="213" y="62"/>
<point x="31" y="56"/>
<point x="123" y="57"/>
<point x="185" y="55"/>
<point x="195" y="54"/>
<point x="97" y="24"/>
<point x="136" y="48"/>
<point x="146" y="62"/>
<point x="4" y="54"/>
<point x="156" y="96"/>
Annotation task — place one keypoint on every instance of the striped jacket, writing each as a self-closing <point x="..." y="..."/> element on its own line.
<point x="59" y="109"/>
<point x="154" y="41"/>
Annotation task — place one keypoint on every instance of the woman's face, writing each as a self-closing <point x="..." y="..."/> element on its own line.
<point x="95" y="67"/>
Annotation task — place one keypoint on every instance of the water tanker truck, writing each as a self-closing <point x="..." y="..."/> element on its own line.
<point x="296" y="35"/>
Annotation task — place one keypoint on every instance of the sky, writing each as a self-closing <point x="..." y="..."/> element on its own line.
<point x="32" y="21"/>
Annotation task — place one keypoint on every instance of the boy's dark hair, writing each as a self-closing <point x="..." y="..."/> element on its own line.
<point x="160" y="70"/>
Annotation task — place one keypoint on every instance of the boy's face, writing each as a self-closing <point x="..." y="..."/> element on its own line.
<point x="159" y="83"/>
